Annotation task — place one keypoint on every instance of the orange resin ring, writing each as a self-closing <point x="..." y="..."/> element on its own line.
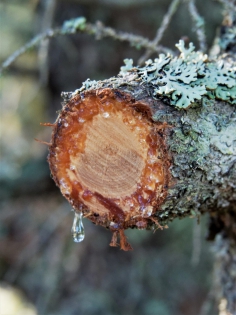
<point x="109" y="159"/>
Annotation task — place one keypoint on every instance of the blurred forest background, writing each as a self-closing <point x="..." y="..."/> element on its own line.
<point x="41" y="270"/>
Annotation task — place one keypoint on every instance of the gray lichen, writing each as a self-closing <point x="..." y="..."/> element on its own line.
<point x="227" y="41"/>
<point x="203" y="150"/>
<point x="74" y="25"/>
<point x="188" y="78"/>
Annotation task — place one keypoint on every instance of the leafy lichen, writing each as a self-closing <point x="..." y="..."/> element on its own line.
<point x="128" y="65"/>
<point x="74" y="25"/>
<point x="228" y="38"/>
<point x="187" y="78"/>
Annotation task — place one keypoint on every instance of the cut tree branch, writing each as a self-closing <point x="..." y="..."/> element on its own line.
<point x="124" y="154"/>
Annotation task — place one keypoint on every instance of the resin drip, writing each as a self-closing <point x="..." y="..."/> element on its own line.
<point x="77" y="229"/>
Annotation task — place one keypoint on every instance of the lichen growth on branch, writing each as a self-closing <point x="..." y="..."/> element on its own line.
<point x="74" y="25"/>
<point x="80" y="25"/>
<point x="187" y="78"/>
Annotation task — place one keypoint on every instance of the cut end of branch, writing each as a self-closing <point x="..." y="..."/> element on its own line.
<point x="109" y="160"/>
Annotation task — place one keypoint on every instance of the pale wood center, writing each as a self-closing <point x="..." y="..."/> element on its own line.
<point x="113" y="159"/>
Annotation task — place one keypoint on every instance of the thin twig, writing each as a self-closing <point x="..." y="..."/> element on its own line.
<point x="196" y="243"/>
<point x="199" y="24"/>
<point x="79" y="25"/>
<point x="32" y="43"/>
<point x="208" y="304"/>
<point x="160" y="32"/>
<point x="229" y="6"/>
<point x="47" y="20"/>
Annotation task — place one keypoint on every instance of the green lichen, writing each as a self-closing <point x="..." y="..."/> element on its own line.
<point x="186" y="79"/>
<point x="86" y="85"/>
<point x="128" y="65"/>
<point x="74" y="25"/>
<point x="228" y="39"/>
<point x="203" y="149"/>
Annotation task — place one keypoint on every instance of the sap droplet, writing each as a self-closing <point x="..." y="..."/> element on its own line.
<point x="62" y="183"/>
<point x="114" y="225"/>
<point x="77" y="229"/>
<point x="147" y="211"/>
<point x="105" y="115"/>
<point x="81" y="120"/>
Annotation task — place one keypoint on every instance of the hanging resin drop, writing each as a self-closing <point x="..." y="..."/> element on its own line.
<point x="77" y="229"/>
